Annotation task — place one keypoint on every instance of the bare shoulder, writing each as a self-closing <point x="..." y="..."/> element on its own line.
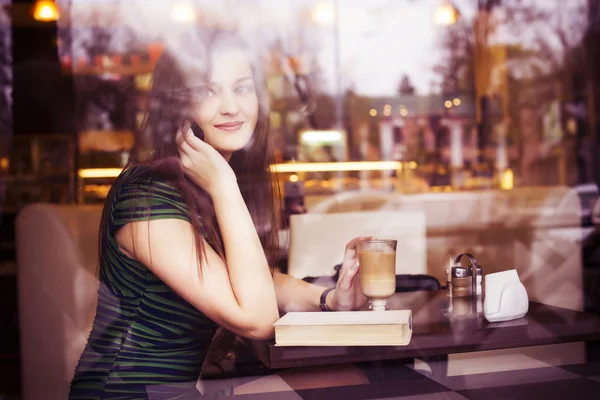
<point x="139" y="238"/>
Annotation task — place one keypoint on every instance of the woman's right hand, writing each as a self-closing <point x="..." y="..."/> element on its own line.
<point x="203" y="164"/>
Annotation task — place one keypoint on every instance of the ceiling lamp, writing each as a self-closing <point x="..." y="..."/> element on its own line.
<point x="45" y="11"/>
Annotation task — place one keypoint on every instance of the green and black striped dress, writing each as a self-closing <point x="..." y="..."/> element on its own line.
<point x="146" y="340"/>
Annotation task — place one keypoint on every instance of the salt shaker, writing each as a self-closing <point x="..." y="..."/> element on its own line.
<point x="449" y="277"/>
<point x="474" y="271"/>
<point x="462" y="281"/>
<point x="479" y="280"/>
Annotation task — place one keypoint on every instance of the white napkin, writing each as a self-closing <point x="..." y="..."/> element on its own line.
<point x="505" y="296"/>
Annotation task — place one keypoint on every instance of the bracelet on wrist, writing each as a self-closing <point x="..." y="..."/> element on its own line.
<point x="323" y="301"/>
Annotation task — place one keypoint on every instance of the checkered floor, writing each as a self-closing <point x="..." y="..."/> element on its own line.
<point x="394" y="380"/>
<point x="580" y="381"/>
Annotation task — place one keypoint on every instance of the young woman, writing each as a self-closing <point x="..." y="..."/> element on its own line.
<point x="186" y="228"/>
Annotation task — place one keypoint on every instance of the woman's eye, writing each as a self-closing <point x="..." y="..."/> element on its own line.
<point x="200" y="93"/>
<point x="244" y="89"/>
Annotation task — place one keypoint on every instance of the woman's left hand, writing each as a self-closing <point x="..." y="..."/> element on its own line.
<point x="348" y="295"/>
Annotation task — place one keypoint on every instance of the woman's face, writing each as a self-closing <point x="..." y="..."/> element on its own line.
<point x="228" y="109"/>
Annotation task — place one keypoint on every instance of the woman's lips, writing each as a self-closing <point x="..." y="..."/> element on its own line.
<point x="230" y="126"/>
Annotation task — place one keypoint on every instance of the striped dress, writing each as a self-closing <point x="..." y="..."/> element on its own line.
<point x="146" y="341"/>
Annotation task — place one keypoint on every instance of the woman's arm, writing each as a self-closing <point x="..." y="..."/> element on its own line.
<point x="297" y="295"/>
<point x="249" y="272"/>
<point x="238" y="294"/>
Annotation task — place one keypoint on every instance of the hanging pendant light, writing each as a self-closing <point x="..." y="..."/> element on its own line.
<point x="45" y="11"/>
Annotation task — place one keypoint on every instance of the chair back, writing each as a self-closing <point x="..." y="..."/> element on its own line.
<point x="318" y="241"/>
<point x="57" y="247"/>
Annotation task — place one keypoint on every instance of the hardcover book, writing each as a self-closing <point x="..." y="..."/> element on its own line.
<point x="351" y="328"/>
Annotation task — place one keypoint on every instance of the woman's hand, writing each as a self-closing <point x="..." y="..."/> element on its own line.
<point x="202" y="163"/>
<point x="348" y="295"/>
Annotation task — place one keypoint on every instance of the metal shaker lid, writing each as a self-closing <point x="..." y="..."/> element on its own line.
<point x="459" y="271"/>
<point x="471" y="258"/>
<point x="479" y="270"/>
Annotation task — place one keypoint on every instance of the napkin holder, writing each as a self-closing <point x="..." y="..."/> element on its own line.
<point x="505" y="297"/>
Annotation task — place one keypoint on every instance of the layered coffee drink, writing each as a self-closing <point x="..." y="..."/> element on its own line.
<point x="377" y="259"/>
<point x="377" y="273"/>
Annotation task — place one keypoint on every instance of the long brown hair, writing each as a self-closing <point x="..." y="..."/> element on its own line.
<point x="169" y="103"/>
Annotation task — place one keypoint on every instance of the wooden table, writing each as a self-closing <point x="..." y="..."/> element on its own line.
<point x="435" y="334"/>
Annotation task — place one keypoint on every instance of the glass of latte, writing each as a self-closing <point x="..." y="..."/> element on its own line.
<point x="377" y="259"/>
